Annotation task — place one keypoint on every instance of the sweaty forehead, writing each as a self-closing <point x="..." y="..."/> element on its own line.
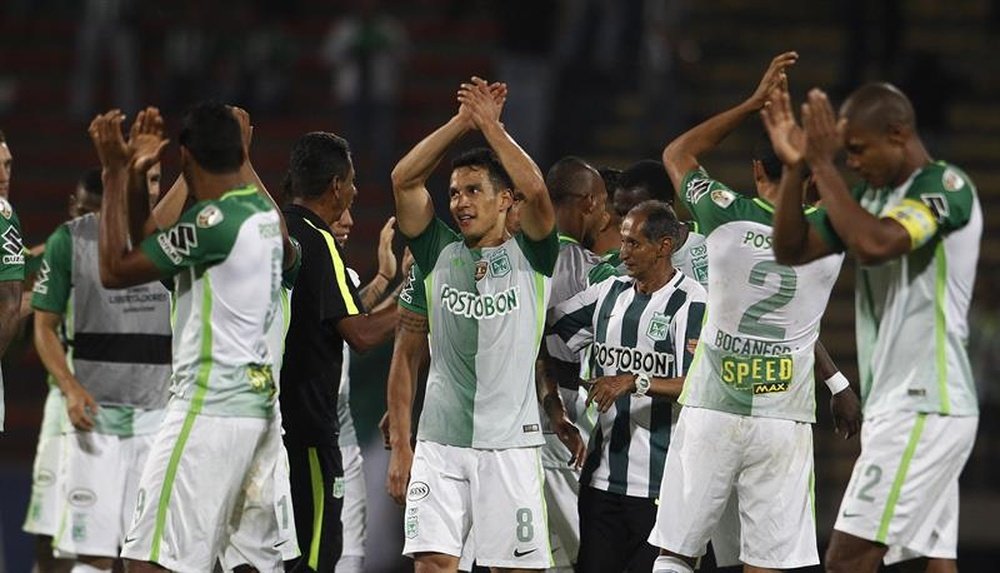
<point x="469" y="175"/>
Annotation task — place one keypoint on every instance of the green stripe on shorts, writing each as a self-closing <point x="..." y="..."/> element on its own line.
<point x="316" y="477"/>
<point x="897" y="483"/>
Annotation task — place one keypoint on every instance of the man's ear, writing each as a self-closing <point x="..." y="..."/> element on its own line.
<point x="667" y="247"/>
<point x="758" y="171"/>
<point x="898" y="134"/>
<point x="506" y="199"/>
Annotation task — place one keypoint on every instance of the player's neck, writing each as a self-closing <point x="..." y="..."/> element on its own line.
<point x="654" y="281"/>
<point x="916" y="159"/>
<point x="569" y="225"/>
<point x="494" y="238"/>
<point x="208" y="186"/>
<point x="321" y="207"/>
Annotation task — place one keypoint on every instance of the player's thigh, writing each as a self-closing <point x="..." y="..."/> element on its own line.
<point x="509" y="514"/>
<point x="776" y="501"/>
<point x="354" y="515"/>
<point x="705" y="451"/>
<point x="906" y="459"/>
<point x="438" y="513"/>
<point x="45" y="503"/>
<point x="93" y="477"/>
<point x="189" y="487"/>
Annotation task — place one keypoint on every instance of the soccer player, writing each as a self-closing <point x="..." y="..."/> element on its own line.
<point x="753" y="378"/>
<point x="608" y="242"/>
<point x="477" y="463"/>
<point x="114" y="380"/>
<point x="326" y="312"/>
<point x="11" y="261"/>
<point x="644" y="329"/>
<point x="914" y="224"/>
<point x="226" y="254"/>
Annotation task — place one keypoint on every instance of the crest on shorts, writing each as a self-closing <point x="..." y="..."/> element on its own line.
<point x="658" y="324"/>
<point x="481" y="268"/>
<point x="951" y="180"/>
<point x="500" y="264"/>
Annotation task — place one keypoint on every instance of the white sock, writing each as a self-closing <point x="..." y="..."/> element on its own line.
<point x="671" y="564"/>
<point x="86" y="568"/>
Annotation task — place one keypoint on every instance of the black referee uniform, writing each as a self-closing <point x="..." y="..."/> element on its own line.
<point x="310" y="375"/>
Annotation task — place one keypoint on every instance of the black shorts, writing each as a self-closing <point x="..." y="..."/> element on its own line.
<point x="613" y="532"/>
<point x="316" y="476"/>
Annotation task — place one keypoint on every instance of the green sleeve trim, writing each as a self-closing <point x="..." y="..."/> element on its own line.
<point x="542" y="254"/>
<point x="600" y="273"/>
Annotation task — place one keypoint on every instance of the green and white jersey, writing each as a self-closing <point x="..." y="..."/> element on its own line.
<point x="692" y="257"/>
<point x="632" y="332"/>
<point x="486" y="313"/>
<point x="755" y="357"/>
<point x="118" y="340"/>
<point x="912" y="312"/>
<point x="12" y="254"/>
<point x="279" y="326"/>
<point x="226" y="255"/>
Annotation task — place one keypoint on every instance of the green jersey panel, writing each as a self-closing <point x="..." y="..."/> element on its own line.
<point x="12" y="252"/>
<point x="413" y="296"/>
<point x="53" y="284"/>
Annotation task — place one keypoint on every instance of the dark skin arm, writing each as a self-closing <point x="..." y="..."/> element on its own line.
<point x="682" y="154"/>
<point x="362" y="332"/>
<point x="548" y="371"/>
<point x="844" y="405"/>
<point x="873" y="240"/>
<point x="409" y="354"/>
<point x="80" y="405"/>
<point x="122" y="265"/>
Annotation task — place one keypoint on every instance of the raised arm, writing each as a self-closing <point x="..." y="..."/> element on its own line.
<point x="873" y="240"/>
<point x="414" y="208"/>
<point x="121" y="264"/>
<point x="537" y="214"/>
<point x="795" y="240"/>
<point x="682" y="154"/>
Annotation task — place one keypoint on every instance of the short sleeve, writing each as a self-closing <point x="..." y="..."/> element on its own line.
<point x="11" y="246"/>
<point x="819" y="219"/>
<point x="601" y="272"/>
<point x="413" y="294"/>
<point x="54" y="280"/>
<point x="710" y="202"/>
<point x="542" y="254"/>
<point x="323" y="266"/>
<point x="289" y="275"/>
<point x="202" y="236"/>
<point x="939" y="201"/>
<point x="428" y="245"/>
<point x="571" y="322"/>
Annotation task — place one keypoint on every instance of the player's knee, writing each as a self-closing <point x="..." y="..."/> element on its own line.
<point x="434" y="563"/>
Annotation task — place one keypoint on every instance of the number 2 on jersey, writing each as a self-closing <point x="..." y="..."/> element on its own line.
<point x="751" y="323"/>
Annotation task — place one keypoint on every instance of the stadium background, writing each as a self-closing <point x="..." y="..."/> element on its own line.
<point x="611" y="81"/>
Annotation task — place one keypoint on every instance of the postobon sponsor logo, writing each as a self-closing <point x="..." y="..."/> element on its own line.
<point x="633" y="360"/>
<point x="480" y="306"/>
<point x="82" y="497"/>
<point x="417" y="491"/>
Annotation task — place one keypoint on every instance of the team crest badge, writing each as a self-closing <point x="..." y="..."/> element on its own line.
<point x="209" y="217"/>
<point x="951" y="180"/>
<point x="500" y="265"/>
<point x="481" y="267"/>
<point x="658" y="324"/>
<point x="723" y="198"/>
<point x="5" y="208"/>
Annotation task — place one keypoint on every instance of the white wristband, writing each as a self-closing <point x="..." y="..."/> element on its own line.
<point x="837" y="383"/>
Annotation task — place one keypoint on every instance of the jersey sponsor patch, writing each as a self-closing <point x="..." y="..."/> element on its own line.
<point x="210" y="216"/>
<point x="42" y="280"/>
<point x="13" y="247"/>
<point x="951" y="180"/>
<point x="178" y="241"/>
<point x="697" y="188"/>
<point x="761" y="374"/>
<point x="723" y="198"/>
<point x="5" y="209"/>
<point x="617" y="358"/>
<point x="937" y="204"/>
<point x="480" y="306"/>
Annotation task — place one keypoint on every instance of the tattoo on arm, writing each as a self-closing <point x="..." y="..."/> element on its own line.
<point x="413" y="322"/>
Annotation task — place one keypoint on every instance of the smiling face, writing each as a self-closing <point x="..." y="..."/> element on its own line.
<point x="879" y="157"/>
<point x="477" y="206"/>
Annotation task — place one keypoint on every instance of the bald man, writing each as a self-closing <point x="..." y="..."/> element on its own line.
<point x="914" y="224"/>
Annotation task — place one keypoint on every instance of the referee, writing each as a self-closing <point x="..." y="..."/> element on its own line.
<point x="326" y="312"/>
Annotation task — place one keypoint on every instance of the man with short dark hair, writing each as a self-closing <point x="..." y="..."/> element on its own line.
<point x="914" y="225"/>
<point x="226" y="255"/>
<point x="643" y="329"/>
<point x="326" y="311"/>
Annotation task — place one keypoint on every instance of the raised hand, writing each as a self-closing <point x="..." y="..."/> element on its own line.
<point x="480" y="102"/>
<point x="146" y="142"/>
<point x="387" y="264"/>
<point x="106" y="132"/>
<point x="823" y="132"/>
<point x="787" y="137"/>
<point x="772" y="78"/>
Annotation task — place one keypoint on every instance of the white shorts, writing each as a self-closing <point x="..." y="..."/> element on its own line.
<point x="191" y="487"/>
<point x="562" y="494"/>
<point x="904" y="488"/>
<point x="767" y="461"/>
<point x="99" y="484"/>
<point x="353" y="516"/>
<point x="262" y="532"/>
<point x="726" y="537"/>
<point x="500" y="491"/>
<point x="45" y="505"/>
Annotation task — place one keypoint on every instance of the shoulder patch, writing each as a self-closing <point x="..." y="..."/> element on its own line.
<point x="210" y="216"/>
<point x="5" y="209"/>
<point x="697" y="188"/>
<point x="178" y="241"/>
<point x="723" y="198"/>
<point x="12" y="247"/>
<point x="951" y="180"/>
